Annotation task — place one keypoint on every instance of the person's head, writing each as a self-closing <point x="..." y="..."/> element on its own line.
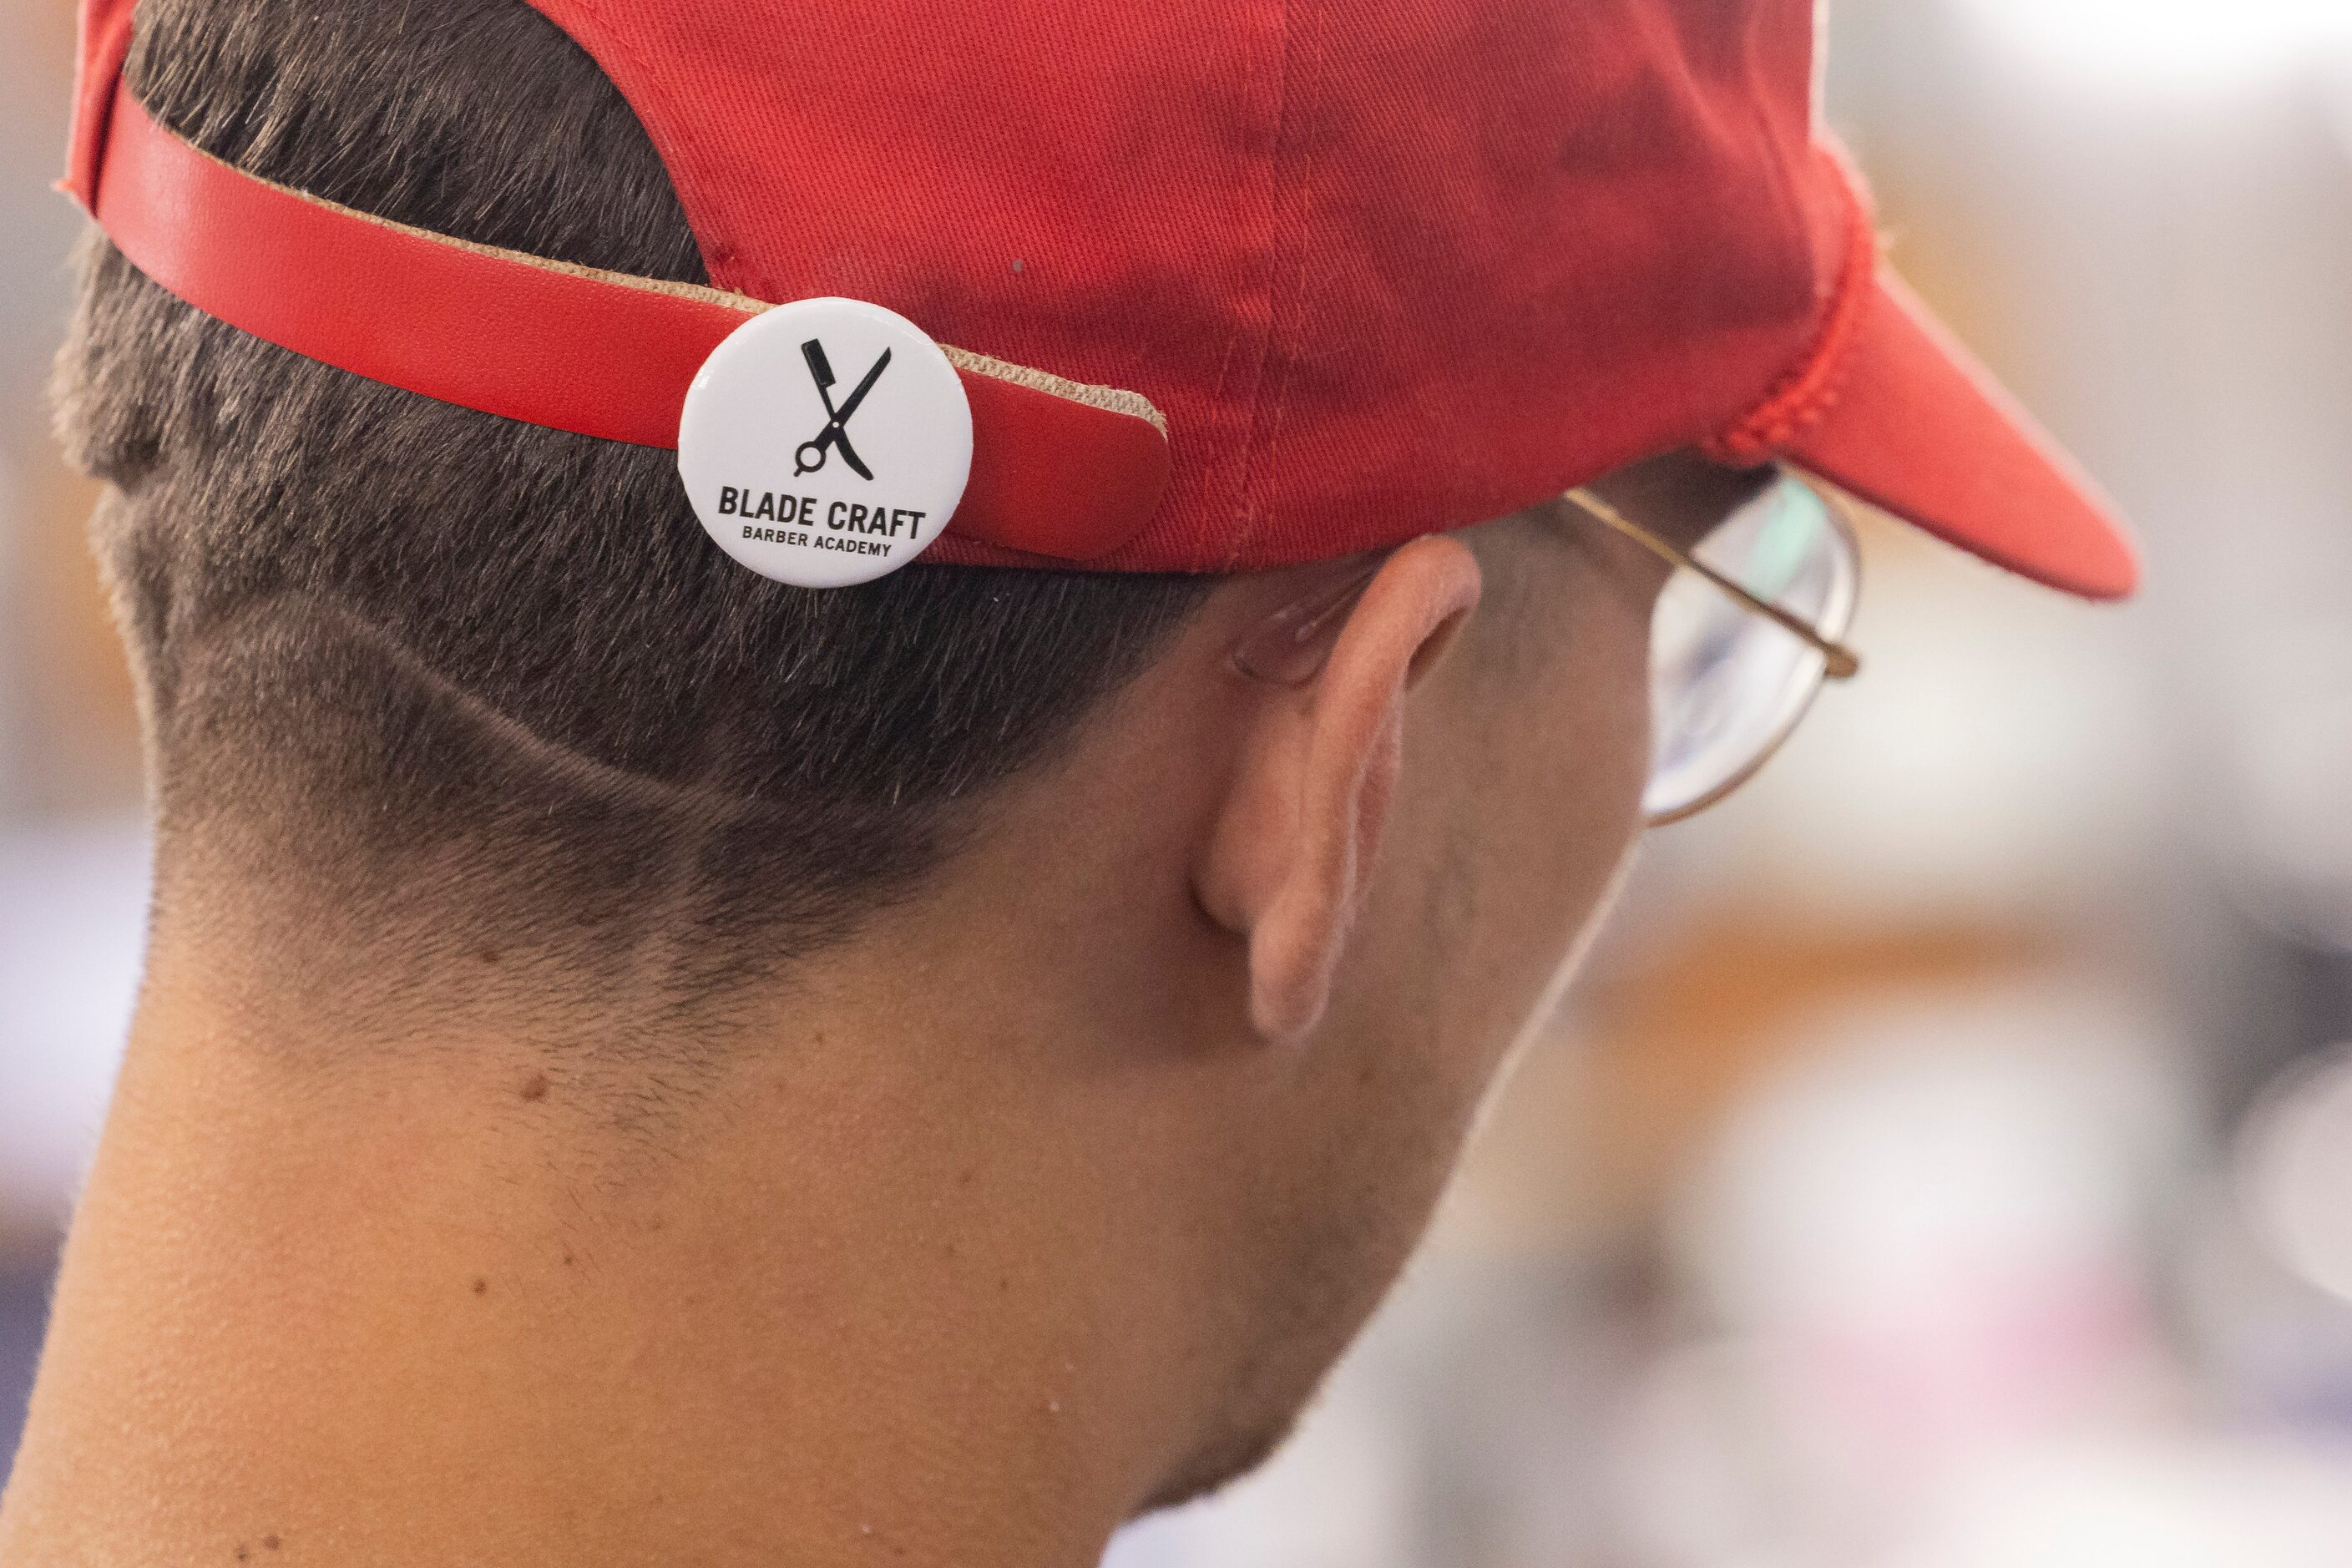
<point x="1181" y="920"/>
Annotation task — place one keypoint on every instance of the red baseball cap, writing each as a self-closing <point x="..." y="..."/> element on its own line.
<point x="1231" y="284"/>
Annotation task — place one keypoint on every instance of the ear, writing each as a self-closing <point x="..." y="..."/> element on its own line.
<point x="1293" y="843"/>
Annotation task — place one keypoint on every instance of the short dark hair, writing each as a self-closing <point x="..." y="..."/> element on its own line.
<point x="389" y="635"/>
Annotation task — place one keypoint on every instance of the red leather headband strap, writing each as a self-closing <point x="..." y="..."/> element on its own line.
<point x="1059" y="471"/>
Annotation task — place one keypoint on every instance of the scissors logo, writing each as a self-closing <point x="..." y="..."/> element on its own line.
<point x="834" y="438"/>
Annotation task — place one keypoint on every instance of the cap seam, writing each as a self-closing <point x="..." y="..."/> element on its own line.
<point x="1253" y="451"/>
<point x="647" y="82"/>
<point x="1802" y="397"/>
<point x="1236" y="345"/>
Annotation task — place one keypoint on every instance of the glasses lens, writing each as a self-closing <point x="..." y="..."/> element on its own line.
<point x="1726" y="684"/>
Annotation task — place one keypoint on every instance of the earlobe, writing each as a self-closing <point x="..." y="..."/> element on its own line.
<point x="1291" y="857"/>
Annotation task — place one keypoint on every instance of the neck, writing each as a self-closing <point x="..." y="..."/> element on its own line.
<point x="463" y="1296"/>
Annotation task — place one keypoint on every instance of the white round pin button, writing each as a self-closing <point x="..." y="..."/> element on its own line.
<point x="826" y="443"/>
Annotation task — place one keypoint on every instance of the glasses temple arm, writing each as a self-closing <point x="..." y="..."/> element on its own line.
<point x="1842" y="663"/>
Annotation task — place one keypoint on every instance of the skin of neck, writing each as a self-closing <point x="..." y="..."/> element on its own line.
<point x="903" y="1276"/>
<point x="809" y="1312"/>
<point x="1048" y="1197"/>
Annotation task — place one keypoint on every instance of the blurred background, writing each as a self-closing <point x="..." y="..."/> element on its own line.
<point x="1948" y="1162"/>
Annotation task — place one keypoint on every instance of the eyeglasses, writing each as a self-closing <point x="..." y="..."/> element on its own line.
<point x="1745" y="631"/>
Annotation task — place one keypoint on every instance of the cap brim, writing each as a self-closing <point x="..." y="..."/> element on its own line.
<point x="1921" y="430"/>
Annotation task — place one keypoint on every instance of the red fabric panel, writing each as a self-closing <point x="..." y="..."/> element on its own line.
<point x="105" y="44"/>
<point x="1388" y="265"/>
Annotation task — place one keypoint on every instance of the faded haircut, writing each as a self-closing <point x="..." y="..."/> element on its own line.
<point x="454" y="674"/>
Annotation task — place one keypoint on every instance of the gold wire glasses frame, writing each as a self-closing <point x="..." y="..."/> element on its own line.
<point x="1682" y="786"/>
<point x="1839" y="662"/>
<point x="1291" y="648"/>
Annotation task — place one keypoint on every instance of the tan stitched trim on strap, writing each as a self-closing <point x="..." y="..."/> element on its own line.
<point x="719" y="297"/>
<point x="695" y="291"/>
<point x="1134" y="404"/>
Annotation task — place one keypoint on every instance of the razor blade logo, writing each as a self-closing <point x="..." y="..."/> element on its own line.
<point x="834" y="438"/>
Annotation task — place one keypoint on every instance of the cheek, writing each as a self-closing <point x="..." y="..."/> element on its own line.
<point x="1519" y="798"/>
<point x="1519" y="801"/>
<point x="1538" y="819"/>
